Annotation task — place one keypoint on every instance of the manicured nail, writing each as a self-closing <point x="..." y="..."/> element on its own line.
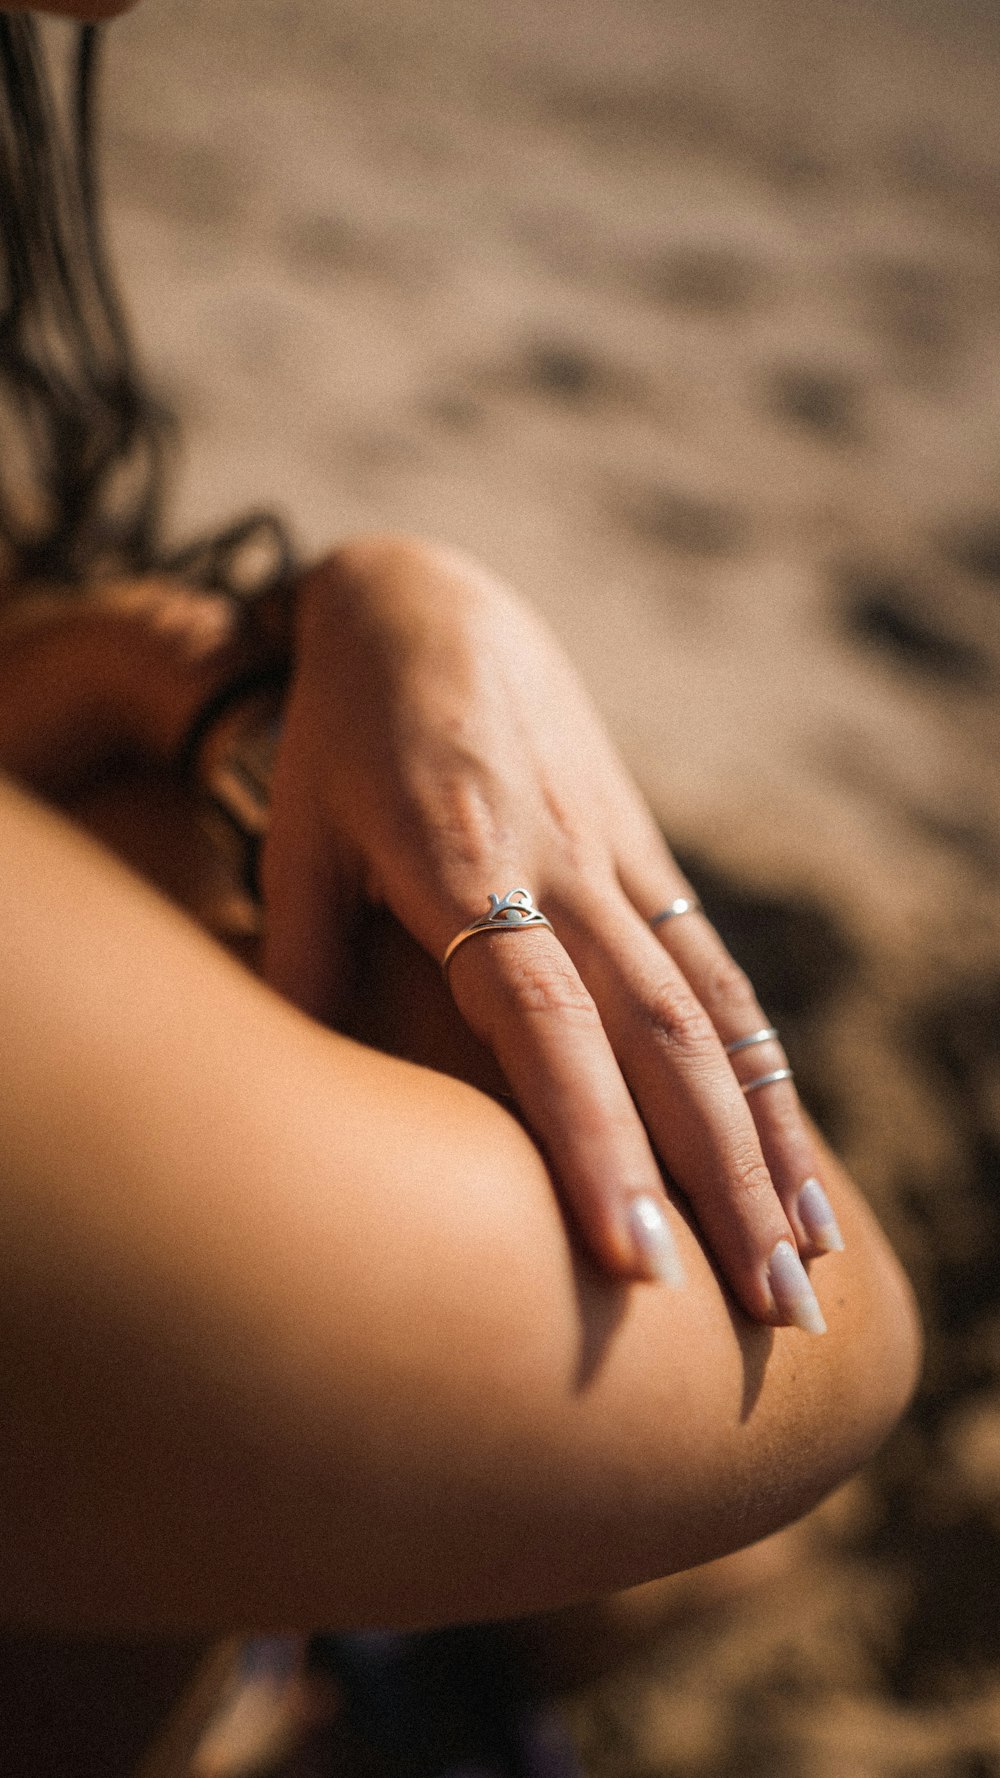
<point x="654" y="1241"/>
<point x="794" y="1296"/>
<point x="817" y="1218"/>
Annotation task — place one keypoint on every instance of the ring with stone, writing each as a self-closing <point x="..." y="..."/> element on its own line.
<point x="684" y="904"/>
<point x="513" y="912"/>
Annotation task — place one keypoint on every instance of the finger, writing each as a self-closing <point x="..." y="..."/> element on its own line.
<point x="523" y="997"/>
<point x="691" y="1103"/>
<point x="731" y="1003"/>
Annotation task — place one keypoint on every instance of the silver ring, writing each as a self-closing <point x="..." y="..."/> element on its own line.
<point x="745" y="1043"/>
<point x="766" y="1080"/>
<point x="511" y="913"/>
<point x="683" y="905"/>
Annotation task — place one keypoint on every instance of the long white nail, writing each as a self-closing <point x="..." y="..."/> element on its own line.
<point x="654" y="1242"/>
<point x="817" y="1218"/>
<point x="793" y="1294"/>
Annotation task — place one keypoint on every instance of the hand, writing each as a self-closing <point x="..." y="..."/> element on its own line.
<point x="438" y="747"/>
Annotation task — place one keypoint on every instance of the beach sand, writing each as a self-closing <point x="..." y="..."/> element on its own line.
<point x="685" y="318"/>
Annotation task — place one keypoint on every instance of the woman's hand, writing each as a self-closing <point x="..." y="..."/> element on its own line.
<point x="438" y="747"/>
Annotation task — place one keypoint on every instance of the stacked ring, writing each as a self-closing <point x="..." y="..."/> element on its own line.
<point x="766" y="1080"/>
<point x="764" y="1035"/>
<point x="685" y="904"/>
<point x="745" y="1043"/>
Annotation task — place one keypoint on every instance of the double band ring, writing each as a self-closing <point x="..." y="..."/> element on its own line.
<point x="513" y="912"/>
<point x="745" y="1043"/>
<point x="764" y="1035"/>
<point x="766" y="1080"/>
<point x="685" y="904"/>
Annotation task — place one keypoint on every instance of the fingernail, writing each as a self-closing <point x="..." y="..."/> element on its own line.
<point x="793" y="1294"/>
<point x="817" y="1218"/>
<point x="654" y="1241"/>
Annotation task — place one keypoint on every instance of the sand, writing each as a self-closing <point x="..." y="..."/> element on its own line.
<point x="687" y="319"/>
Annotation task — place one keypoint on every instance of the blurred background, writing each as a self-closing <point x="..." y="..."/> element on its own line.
<point x="685" y="317"/>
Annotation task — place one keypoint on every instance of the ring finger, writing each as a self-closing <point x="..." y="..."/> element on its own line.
<point x="690" y="1101"/>
<point x="755" y="1054"/>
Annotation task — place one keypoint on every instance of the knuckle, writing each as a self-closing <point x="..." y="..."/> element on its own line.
<point x="465" y="826"/>
<point x="369" y="554"/>
<point x="730" y="986"/>
<point x="596" y="1127"/>
<point x="543" y="981"/>
<point x="679" y="1025"/>
<point x="455" y="822"/>
<point x="750" y="1183"/>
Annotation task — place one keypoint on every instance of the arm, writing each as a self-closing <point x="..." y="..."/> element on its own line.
<point x="292" y="1332"/>
<point x="437" y="743"/>
<point x="439" y="749"/>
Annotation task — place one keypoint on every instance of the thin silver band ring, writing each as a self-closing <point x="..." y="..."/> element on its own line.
<point x="684" y="904"/>
<point x="766" y="1080"/>
<point x="513" y="912"/>
<point x="745" y="1043"/>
